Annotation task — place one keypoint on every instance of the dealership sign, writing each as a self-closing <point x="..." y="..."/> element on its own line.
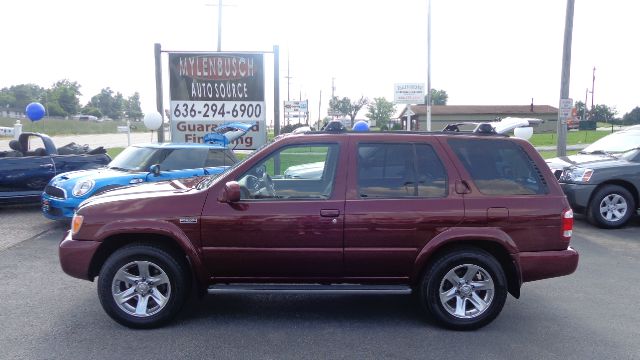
<point x="408" y="93"/>
<point x="211" y="89"/>
<point x="296" y="106"/>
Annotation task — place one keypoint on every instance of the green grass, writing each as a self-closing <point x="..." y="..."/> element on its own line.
<point x="53" y="127"/>
<point x="573" y="137"/>
<point x="114" y="151"/>
<point x="552" y="153"/>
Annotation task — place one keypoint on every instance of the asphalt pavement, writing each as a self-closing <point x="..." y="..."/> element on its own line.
<point x="45" y="314"/>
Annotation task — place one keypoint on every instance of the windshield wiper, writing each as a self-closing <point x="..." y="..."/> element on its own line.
<point x="118" y="168"/>
<point x="594" y="152"/>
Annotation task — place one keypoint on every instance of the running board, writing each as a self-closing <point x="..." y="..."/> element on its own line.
<point x="308" y="289"/>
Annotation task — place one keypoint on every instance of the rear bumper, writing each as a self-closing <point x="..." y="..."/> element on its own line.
<point x="76" y="255"/>
<point x="547" y="264"/>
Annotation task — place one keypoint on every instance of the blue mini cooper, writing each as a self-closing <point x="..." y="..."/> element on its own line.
<point x="142" y="163"/>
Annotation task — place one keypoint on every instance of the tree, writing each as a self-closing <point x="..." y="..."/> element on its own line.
<point x="438" y="97"/>
<point x="347" y="107"/>
<point x="603" y="113"/>
<point x="7" y="99"/>
<point x="380" y="111"/>
<point x="19" y="96"/>
<point x="632" y="117"/>
<point x="90" y="110"/>
<point x="132" y="107"/>
<point x="107" y="104"/>
<point x="62" y="98"/>
<point x="580" y="110"/>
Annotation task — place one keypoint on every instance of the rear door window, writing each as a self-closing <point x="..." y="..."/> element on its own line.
<point x="499" y="167"/>
<point x="400" y="170"/>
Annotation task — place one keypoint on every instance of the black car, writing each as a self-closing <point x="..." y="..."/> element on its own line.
<point x="603" y="180"/>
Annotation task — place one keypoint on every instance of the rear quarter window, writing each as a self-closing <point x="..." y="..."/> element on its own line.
<point x="499" y="167"/>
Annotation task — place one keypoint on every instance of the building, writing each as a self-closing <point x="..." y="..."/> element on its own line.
<point x="441" y="115"/>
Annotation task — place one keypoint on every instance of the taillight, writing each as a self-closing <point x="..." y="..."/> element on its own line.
<point x="567" y="224"/>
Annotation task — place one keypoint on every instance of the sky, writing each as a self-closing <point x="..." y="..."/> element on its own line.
<point x="491" y="52"/>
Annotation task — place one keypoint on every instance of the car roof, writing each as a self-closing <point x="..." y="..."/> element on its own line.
<point x="180" y="146"/>
<point x="382" y="134"/>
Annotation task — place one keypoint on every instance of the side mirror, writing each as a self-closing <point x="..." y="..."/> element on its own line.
<point x="230" y="193"/>
<point x="155" y="169"/>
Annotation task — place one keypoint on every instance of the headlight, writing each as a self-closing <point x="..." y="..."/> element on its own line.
<point x="83" y="187"/>
<point x="576" y="175"/>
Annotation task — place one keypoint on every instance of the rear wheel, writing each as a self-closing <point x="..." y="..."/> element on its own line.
<point x="465" y="289"/>
<point x="142" y="286"/>
<point x="611" y="207"/>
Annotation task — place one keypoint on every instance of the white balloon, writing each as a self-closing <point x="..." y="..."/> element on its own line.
<point x="152" y="120"/>
<point x="523" y="132"/>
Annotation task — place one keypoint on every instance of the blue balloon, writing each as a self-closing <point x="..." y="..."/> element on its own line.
<point x="35" y="111"/>
<point x="360" y="126"/>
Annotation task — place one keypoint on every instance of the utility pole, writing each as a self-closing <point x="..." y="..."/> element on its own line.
<point x="333" y="87"/>
<point x="220" y="5"/>
<point x="319" y="106"/>
<point x="593" y="84"/>
<point x="584" y="109"/>
<point x="561" y="148"/>
<point x="428" y="67"/>
<point x="219" y="25"/>
<point x="276" y="90"/>
<point x="288" y="77"/>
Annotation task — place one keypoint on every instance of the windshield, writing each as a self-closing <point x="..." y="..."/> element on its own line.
<point x="132" y="158"/>
<point x="136" y="158"/>
<point x="615" y="143"/>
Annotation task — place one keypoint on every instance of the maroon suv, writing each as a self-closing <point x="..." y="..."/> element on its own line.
<point x="460" y="219"/>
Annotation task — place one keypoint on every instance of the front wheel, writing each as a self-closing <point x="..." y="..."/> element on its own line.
<point x="465" y="289"/>
<point x="611" y="207"/>
<point x="142" y="286"/>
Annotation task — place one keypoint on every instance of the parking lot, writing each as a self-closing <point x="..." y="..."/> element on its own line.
<point x="45" y="314"/>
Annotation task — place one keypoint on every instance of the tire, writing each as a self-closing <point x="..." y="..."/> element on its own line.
<point x="611" y="207"/>
<point x="146" y="300"/>
<point x="458" y="275"/>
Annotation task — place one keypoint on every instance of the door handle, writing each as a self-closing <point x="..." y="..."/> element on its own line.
<point x="329" y="212"/>
<point x="46" y="165"/>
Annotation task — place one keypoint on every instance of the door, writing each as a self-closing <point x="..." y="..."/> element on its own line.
<point x="25" y="176"/>
<point x="284" y="227"/>
<point x="400" y="197"/>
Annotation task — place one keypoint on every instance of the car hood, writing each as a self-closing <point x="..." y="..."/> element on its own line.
<point x="591" y="161"/>
<point x="100" y="176"/>
<point x="160" y="201"/>
<point x="305" y="171"/>
<point x="146" y="191"/>
<point x="94" y="174"/>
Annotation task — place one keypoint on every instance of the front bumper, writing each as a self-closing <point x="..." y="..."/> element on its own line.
<point x="76" y="256"/>
<point x="578" y="195"/>
<point x="547" y="264"/>
<point x="58" y="209"/>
